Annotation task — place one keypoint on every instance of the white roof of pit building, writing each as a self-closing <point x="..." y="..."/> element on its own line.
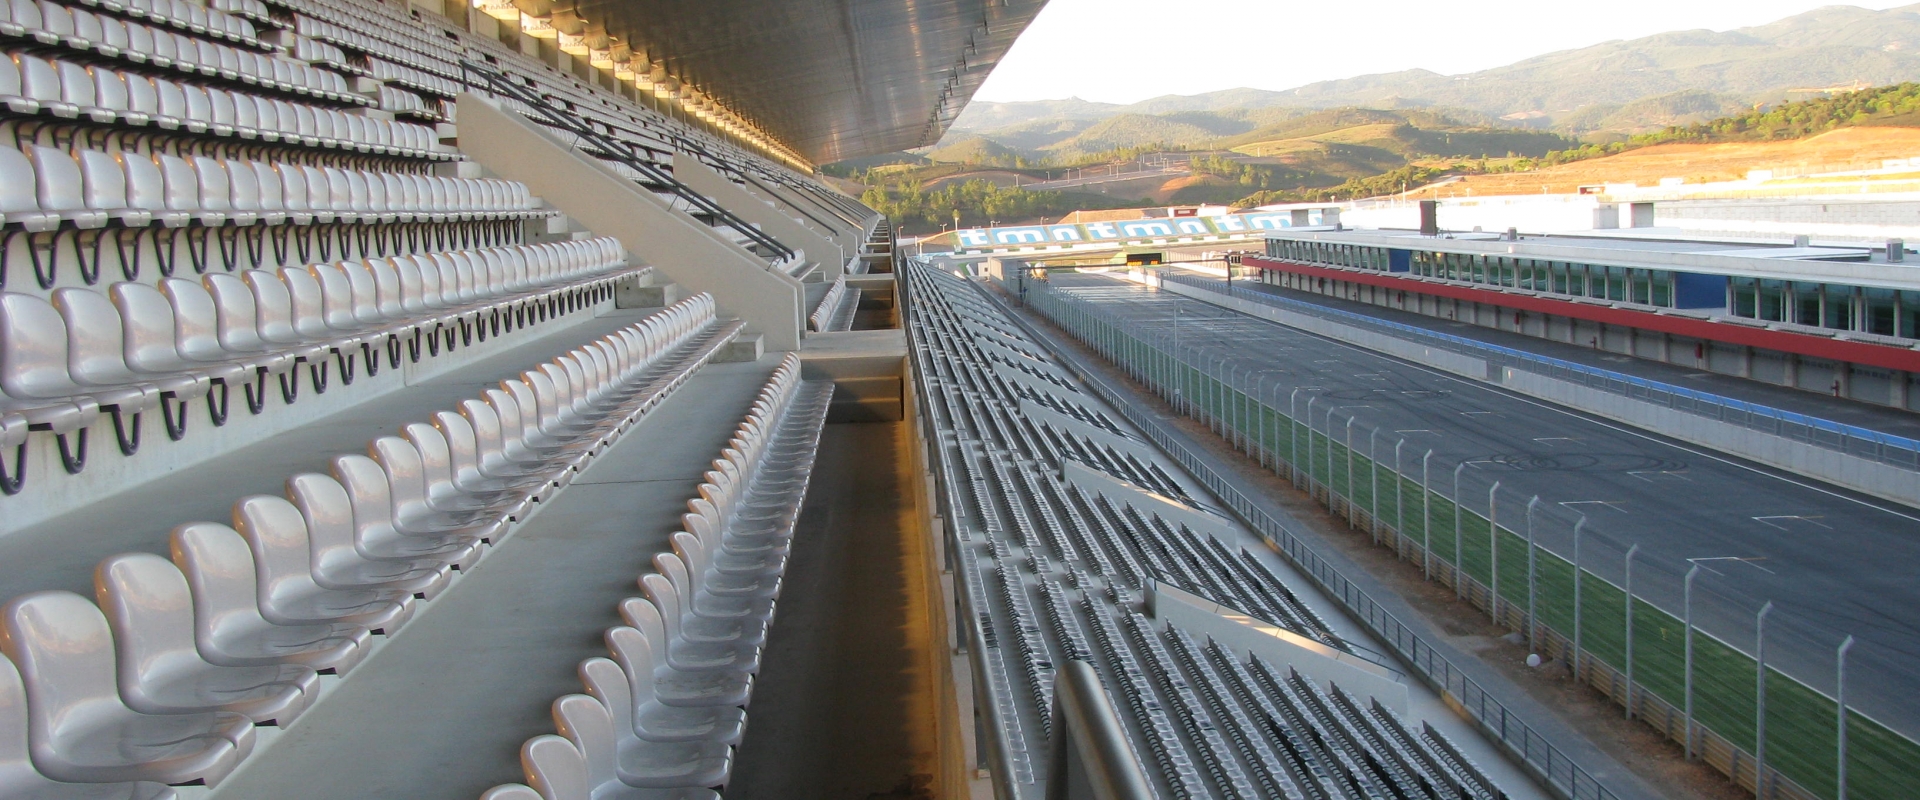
<point x="1856" y="266"/>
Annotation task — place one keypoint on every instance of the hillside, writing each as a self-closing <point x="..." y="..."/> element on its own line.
<point x="1696" y="163"/>
<point x="1619" y="87"/>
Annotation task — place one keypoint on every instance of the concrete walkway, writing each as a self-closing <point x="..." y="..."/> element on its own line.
<point x="845" y="703"/>
<point x="441" y="710"/>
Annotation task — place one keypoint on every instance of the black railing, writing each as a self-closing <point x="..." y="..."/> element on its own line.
<point x="607" y="147"/>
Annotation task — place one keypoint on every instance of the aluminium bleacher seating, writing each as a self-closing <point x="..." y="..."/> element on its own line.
<point x="1056" y="572"/>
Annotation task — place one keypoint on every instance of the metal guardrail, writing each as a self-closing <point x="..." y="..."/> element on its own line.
<point x="491" y="80"/>
<point x="1091" y="758"/>
<point x="1850" y="439"/>
<point x="1539" y="755"/>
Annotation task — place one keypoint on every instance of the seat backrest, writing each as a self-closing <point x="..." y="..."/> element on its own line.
<point x="555" y="768"/>
<point x="109" y="89"/>
<point x="220" y="576"/>
<point x="33" y="348"/>
<point x="146" y="320"/>
<point x="386" y="287"/>
<point x="293" y="183"/>
<point x="638" y="656"/>
<point x="95" y="338"/>
<point x="367" y="491"/>
<point x="589" y="726"/>
<point x="327" y="510"/>
<point x="16" y="180"/>
<point x="436" y="456"/>
<point x="196" y="321"/>
<point x="64" y="650"/>
<point x="146" y="188"/>
<point x="183" y="184"/>
<point x="365" y="295"/>
<point x="512" y="791"/>
<point x="38" y="79"/>
<point x="57" y="180"/>
<point x="336" y="296"/>
<point x="104" y="181"/>
<point x="668" y="601"/>
<point x="608" y="683"/>
<point x="406" y="475"/>
<point x="276" y="531"/>
<point x="150" y="609"/>
<point x="273" y="306"/>
<point x="238" y="316"/>
<point x="216" y="189"/>
<point x="76" y="86"/>
<point x="243" y="183"/>
<point x="309" y="309"/>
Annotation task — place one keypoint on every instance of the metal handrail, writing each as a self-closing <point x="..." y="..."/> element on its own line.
<point x="622" y="152"/>
<point x="1091" y="758"/>
<point x="1886" y="448"/>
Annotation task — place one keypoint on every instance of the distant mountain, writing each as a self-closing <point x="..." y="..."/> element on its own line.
<point x="1621" y="87"/>
<point x="1827" y="47"/>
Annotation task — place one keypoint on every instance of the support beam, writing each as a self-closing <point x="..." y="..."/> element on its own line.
<point x="681" y="248"/>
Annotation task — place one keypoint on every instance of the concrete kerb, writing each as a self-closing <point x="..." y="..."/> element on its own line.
<point x="1880" y="480"/>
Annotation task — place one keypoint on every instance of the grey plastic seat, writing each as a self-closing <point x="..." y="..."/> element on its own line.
<point x="152" y="332"/>
<point x="228" y="627"/>
<point x="19" y="780"/>
<point x="336" y="562"/>
<point x="413" y="510"/>
<point x="693" y="553"/>
<point x="683" y="657"/>
<point x="638" y="651"/>
<point x="375" y="532"/>
<point x="33" y="350"/>
<point x="612" y="773"/>
<point x="160" y="672"/>
<point x="277" y="534"/>
<point x="467" y="461"/>
<point x="640" y="716"/>
<point x="558" y="771"/>
<point x="95" y="346"/>
<point x="443" y="492"/>
<point x="78" y="729"/>
<point x="501" y="456"/>
<point x="749" y="610"/>
<point x="514" y="791"/>
<point x="682" y="625"/>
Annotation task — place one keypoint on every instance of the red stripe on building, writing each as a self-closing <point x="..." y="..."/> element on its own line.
<point x="1878" y="355"/>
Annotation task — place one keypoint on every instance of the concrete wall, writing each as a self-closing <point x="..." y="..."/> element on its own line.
<point x="682" y="249"/>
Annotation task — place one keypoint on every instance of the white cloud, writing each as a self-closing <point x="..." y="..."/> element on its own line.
<point x="1122" y="51"/>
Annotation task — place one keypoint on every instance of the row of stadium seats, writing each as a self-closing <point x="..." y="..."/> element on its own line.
<point x="1214" y="722"/>
<point x="30" y="84"/>
<point x="164" y="680"/>
<point x="140" y="346"/>
<point x="84" y="33"/>
<point x="49" y="189"/>
<point x="660" y="718"/>
<point x="178" y="14"/>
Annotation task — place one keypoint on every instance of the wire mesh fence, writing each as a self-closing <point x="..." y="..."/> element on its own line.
<point x="1752" y="688"/>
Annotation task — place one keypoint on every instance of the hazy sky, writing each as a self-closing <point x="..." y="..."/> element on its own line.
<point x="1122" y="51"/>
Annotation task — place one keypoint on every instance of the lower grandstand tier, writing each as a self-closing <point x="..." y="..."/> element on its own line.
<point x="1074" y="540"/>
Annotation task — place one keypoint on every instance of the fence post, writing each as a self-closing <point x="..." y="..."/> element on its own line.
<point x="1533" y="623"/>
<point x="1310" y="402"/>
<point x="1459" y="564"/>
<point x="1687" y="607"/>
<point x="1493" y="553"/>
<point x="1293" y="436"/>
<point x="1351" y="491"/>
<point x="1579" y="609"/>
<point x="1426" y="514"/>
<point x="1399" y="493"/>
<point x="1631" y="552"/>
<point x="1373" y="481"/>
<point x="1760" y="702"/>
<point x="1840" y="698"/>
